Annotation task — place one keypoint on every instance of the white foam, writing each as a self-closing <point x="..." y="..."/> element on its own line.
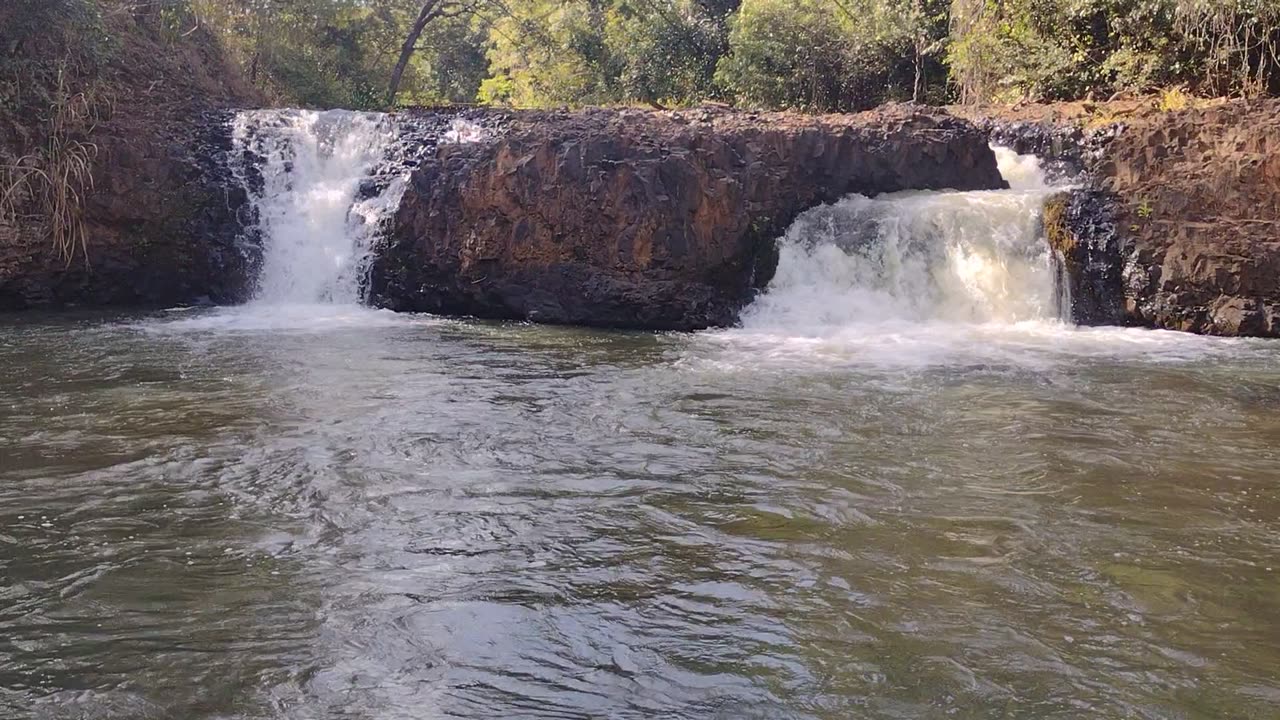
<point x="317" y="230"/>
<point x="924" y="279"/>
<point x="463" y="131"/>
<point x="973" y="257"/>
<point x="1022" y="172"/>
<point x="283" y="317"/>
<point x="1034" y="344"/>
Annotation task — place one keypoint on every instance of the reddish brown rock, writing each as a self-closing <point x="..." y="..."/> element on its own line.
<point x="1200" y="193"/>
<point x="639" y="219"/>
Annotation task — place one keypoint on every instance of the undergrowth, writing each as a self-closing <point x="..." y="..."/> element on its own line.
<point x="54" y="180"/>
<point x="1174" y="99"/>
<point x="51" y="102"/>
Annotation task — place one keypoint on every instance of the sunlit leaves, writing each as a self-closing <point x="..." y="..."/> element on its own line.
<point x="810" y="54"/>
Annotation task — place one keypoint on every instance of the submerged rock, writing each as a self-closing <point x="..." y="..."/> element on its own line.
<point x="639" y="219"/>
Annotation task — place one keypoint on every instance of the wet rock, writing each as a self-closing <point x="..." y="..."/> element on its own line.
<point x="639" y="219"/>
<point x="1080" y="228"/>
<point x="1186" y="204"/>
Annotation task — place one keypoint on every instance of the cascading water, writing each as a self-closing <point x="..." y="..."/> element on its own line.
<point x="318" y="205"/>
<point x="323" y="186"/>
<point x="916" y="257"/>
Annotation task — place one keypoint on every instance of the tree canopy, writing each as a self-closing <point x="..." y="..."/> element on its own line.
<point x="806" y="54"/>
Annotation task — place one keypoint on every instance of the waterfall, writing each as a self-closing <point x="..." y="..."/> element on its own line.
<point x="319" y="198"/>
<point x="917" y="257"/>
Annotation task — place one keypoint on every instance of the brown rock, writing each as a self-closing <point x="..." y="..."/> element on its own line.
<point x="640" y="219"/>
<point x="1191" y="211"/>
<point x="159" y="231"/>
<point x="1199" y="197"/>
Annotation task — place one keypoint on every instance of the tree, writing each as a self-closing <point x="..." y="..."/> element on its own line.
<point x="833" y="54"/>
<point x="924" y="23"/>
<point x="1239" y="41"/>
<point x="664" y="52"/>
<point x="806" y="54"/>
<point x="547" y="52"/>
<point x="449" y="64"/>
<point x="431" y="10"/>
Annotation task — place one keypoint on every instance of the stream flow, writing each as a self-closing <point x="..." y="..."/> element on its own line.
<point x="903" y="487"/>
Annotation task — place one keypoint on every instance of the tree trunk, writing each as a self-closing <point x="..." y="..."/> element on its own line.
<point x="915" y="87"/>
<point x="430" y="11"/>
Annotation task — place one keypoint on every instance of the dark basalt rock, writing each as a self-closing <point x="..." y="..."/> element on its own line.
<point x="1081" y="229"/>
<point x="222" y="219"/>
<point x="1200" y="210"/>
<point x="1080" y="222"/>
<point x="167" y="224"/>
<point x="638" y="219"/>
<point x="162" y="218"/>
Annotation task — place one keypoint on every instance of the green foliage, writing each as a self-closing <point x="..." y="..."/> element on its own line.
<point x="664" y="53"/>
<point x="807" y="54"/>
<point x="786" y="54"/>
<point x="450" y="64"/>
<point x="1064" y="49"/>
<point x="551" y="52"/>
<point x="1006" y="51"/>
<point x="323" y="53"/>
<point x="497" y="90"/>
<point x="824" y="55"/>
<point x="547" y="52"/>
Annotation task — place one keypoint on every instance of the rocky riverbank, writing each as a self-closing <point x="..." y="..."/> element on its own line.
<point x="1176" y="224"/>
<point x="642" y="219"/>
<point x="658" y="219"/>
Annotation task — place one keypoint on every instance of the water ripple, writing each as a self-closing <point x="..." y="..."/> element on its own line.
<point x="207" y="516"/>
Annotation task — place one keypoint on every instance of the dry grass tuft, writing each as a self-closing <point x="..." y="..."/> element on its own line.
<point x="52" y="182"/>
<point x="1174" y="99"/>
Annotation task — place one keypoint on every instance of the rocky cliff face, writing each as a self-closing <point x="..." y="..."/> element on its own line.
<point x="660" y="220"/>
<point x="163" y="227"/>
<point x="1199" y="198"/>
<point x="1177" y="222"/>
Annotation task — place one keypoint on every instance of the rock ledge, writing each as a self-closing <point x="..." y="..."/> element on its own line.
<point x="640" y="219"/>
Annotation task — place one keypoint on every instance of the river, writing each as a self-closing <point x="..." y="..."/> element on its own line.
<point x="369" y="515"/>
<point x="858" y="504"/>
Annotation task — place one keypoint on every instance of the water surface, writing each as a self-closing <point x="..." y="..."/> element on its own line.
<point x="302" y="512"/>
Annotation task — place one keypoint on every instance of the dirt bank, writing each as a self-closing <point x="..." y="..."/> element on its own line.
<point x="158" y="217"/>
